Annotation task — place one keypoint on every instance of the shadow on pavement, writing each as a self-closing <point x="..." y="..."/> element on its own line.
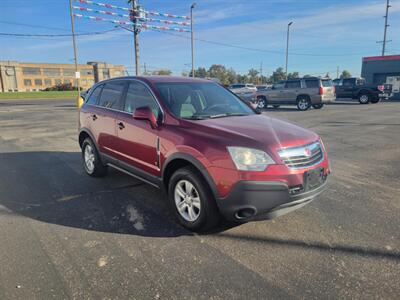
<point x="344" y="249"/>
<point x="52" y="187"/>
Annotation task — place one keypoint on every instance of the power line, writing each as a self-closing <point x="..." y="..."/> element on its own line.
<point x="258" y="49"/>
<point x="55" y="35"/>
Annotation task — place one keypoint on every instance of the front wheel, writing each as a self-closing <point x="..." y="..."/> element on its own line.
<point x="318" y="106"/>
<point x="192" y="201"/>
<point x="261" y="103"/>
<point x="91" y="159"/>
<point x="364" y="98"/>
<point x="303" y="103"/>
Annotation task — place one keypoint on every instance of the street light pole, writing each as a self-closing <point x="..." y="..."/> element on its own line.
<point x="287" y="49"/>
<point x="192" y="35"/>
<point x="77" y="74"/>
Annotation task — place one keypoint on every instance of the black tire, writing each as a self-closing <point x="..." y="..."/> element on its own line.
<point x="303" y="103"/>
<point x="364" y="98"/>
<point x="276" y="106"/>
<point x="208" y="216"/>
<point x="318" y="106"/>
<point x="98" y="169"/>
<point x="375" y="100"/>
<point x="262" y="103"/>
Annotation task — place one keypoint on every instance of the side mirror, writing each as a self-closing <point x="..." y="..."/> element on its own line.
<point x="145" y="113"/>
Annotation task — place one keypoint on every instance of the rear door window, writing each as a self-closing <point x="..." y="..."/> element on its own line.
<point x="293" y="84"/>
<point x="95" y="96"/>
<point x="348" y="82"/>
<point x="111" y="95"/>
<point x="312" y="83"/>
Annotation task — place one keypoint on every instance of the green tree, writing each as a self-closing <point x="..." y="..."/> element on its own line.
<point x="345" y="74"/>
<point x="278" y="75"/>
<point x="220" y="72"/>
<point x="201" y="72"/>
<point x="253" y="75"/>
<point x="293" y="75"/>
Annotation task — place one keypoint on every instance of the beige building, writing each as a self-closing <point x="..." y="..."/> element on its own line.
<point x="25" y="77"/>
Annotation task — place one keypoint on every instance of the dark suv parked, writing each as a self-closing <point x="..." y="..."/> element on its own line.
<point x="210" y="152"/>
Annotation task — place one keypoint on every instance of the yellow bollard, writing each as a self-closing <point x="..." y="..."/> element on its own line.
<point x="79" y="102"/>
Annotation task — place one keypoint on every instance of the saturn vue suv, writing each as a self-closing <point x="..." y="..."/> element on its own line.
<point x="211" y="153"/>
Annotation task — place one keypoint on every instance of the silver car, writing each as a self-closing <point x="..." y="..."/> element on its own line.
<point x="302" y="92"/>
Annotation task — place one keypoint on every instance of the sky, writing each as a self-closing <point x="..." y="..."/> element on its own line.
<point x="236" y="33"/>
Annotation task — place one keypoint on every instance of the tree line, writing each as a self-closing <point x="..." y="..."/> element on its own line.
<point x="229" y="76"/>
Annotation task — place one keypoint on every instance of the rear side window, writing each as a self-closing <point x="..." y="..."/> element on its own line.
<point x="312" y="83"/>
<point x="293" y="84"/>
<point x="95" y="96"/>
<point x="138" y="95"/>
<point x="111" y="95"/>
<point x="327" y="83"/>
<point x="349" y="82"/>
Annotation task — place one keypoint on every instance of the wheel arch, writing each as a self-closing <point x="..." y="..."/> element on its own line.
<point x="180" y="160"/>
<point x="303" y="95"/>
<point x="85" y="133"/>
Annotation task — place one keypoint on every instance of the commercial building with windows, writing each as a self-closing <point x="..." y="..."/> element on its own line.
<point x="382" y="69"/>
<point x="25" y="77"/>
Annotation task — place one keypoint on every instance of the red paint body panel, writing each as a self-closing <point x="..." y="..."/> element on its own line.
<point x="205" y="140"/>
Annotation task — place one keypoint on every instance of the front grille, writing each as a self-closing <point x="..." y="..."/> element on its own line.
<point x="303" y="156"/>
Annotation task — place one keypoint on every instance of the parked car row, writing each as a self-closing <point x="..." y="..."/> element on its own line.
<point x="313" y="92"/>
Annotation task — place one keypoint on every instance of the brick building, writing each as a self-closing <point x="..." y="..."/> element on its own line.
<point x="20" y="77"/>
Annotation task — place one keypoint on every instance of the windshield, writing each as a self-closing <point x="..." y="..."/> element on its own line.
<point x="201" y="100"/>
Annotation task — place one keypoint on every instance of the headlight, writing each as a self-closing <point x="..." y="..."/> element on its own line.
<point x="247" y="159"/>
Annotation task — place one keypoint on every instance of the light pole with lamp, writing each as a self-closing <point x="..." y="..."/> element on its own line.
<point x="287" y="49"/>
<point x="192" y="36"/>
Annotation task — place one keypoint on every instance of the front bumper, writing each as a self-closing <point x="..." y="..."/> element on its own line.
<point x="258" y="200"/>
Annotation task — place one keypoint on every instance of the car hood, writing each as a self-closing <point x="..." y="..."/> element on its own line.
<point x="257" y="131"/>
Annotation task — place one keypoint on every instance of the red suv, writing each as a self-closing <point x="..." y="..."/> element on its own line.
<point x="211" y="152"/>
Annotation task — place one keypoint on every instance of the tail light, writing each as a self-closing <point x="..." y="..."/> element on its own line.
<point x="321" y="90"/>
<point x="381" y="87"/>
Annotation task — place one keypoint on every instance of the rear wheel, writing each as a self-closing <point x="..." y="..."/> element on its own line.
<point x="364" y="98"/>
<point x="375" y="100"/>
<point x="91" y="159"/>
<point x="303" y="103"/>
<point x="192" y="201"/>
<point x="318" y="106"/>
<point x="261" y="103"/>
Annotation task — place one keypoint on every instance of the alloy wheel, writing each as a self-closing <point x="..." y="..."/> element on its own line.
<point x="187" y="200"/>
<point x="89" y="158"/>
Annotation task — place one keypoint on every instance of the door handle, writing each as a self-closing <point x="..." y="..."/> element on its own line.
<point x="121" y="125"/>
<point x="94" y="117"/>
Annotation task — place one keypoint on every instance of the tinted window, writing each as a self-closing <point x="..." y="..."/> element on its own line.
<point x="279" y="86"/>
<point x="138" y="95"/>
<point x="348" y="82"/>
<point x="312" y="83"/>
<point x="111" y="95"/>
<point x="293" y="84"/>
<point x="95" y="96"/>
<point x="237" y="86"/>
<point x="327" y="83"/>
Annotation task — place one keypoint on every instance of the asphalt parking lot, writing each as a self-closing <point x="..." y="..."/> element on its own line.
<point x="65" y="235"/>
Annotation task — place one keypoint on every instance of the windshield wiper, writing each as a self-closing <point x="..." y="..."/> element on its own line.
<point x="228" y="115"/>
<point x="194" y="117"/>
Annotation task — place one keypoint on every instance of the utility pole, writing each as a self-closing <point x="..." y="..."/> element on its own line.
<point x="337" y="72"/>
<point x="261" y="69"/>
<point x="287" y="48"/>
<point x="77" y="74"/>
<point x="386" y="26"/>
<point x="192" y="36"/>
<point x="136" y="29"/>
<point x="145" y="69"/>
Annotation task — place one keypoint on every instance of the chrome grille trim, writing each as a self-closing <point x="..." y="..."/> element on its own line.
<point x="297" y="158"/>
